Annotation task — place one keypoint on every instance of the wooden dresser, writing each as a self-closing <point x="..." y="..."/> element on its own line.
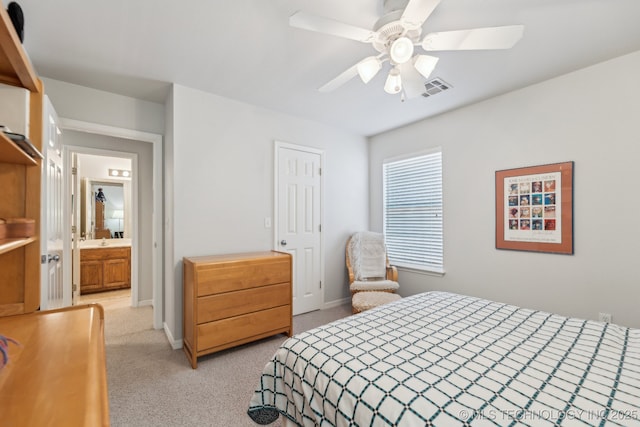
<point x="57" y="375"/>
<point x="234" y="299"/>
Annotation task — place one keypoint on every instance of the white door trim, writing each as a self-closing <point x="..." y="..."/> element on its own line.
<point x="68" y="151"/>
<point x="276" y="167"/>
<point x="158" y="246"/>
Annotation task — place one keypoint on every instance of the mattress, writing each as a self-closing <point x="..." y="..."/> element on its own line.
<point x="441" y="359"/>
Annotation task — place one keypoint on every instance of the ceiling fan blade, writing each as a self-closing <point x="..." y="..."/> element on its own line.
<point x="412" y="80"/>
<point x="416" y="12"/>
<point x="340" y="80"/>
<point x="474" y="39"/>
<point x="310" y="22"/>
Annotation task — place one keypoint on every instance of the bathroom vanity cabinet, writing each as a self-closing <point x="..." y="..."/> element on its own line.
<point x="105" y="269"/>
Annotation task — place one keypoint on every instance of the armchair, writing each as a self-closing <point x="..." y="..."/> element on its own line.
<point x="368" y="264"/>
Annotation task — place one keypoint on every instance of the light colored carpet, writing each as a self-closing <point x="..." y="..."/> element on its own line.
<point x="152" y="385"/>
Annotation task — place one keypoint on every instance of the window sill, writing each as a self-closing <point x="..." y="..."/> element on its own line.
<point x="421" y="271"/>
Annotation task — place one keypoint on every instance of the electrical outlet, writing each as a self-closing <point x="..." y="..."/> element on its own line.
<point x="604" y="317"/>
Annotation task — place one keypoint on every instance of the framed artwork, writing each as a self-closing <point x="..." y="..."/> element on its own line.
<point x="534" y="208"/>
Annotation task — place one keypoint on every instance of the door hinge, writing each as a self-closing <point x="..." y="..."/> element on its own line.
<point x="320" y="228"/>
<point x="74" y="171"/>
<point x="73" y="228"/>
<point x="320" y="171"/>
<point x="320" y="284"/>
<point x="74" y="287"/>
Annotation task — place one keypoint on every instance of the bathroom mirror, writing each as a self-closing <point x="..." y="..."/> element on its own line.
<point x="103" y="209"/>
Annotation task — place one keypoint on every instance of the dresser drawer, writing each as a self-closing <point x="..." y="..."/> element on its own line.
<point x="228" y="330"/>
<point x="220" y="306"/>
<point x="226" y="277"/>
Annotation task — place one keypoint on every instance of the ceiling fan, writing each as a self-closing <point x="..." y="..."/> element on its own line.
<point x="396" y="35"/>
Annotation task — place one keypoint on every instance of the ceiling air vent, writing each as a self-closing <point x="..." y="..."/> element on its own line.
<point x="435" y="86"/>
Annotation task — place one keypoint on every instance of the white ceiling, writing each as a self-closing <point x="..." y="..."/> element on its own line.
<point x="245" y="50"/>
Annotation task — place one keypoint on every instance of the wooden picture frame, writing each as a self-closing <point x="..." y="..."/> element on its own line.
<point x="534" y="208"/>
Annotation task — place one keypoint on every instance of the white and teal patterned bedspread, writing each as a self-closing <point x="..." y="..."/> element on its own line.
<point x="440" y="359"/>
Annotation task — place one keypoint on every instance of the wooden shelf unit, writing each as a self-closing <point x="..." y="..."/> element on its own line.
<point x="57" y="374"/>
<point x="20" y="180"/>
<point x="11" y="153"/>
<point x="7" y="245"/>
<point x="15" y="68"/>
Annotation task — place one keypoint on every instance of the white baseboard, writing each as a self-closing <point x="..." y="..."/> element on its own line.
<point x="175" y="344"/>
<point x="145" y="302"/>
<point x="336" y="303"/>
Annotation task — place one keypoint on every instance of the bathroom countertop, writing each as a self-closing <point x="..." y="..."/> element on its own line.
<point x="99" y="243"/>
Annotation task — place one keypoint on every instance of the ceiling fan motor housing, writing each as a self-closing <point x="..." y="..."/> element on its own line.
<point x="389" y="28"/>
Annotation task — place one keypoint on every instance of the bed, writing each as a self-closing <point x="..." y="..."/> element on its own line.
<point x="443" y="359"/>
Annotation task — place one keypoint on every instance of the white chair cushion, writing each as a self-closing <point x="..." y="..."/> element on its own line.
<point x="366" y="300"/>
<point x="368" y="255"/>
<point x="373" y="285"/>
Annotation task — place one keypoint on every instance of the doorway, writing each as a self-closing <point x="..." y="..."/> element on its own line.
<point x="106" y="140"/>
<point x="104" y="217"/>
<point x="103" y="205"/>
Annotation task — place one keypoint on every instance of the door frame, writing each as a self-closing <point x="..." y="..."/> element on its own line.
<point x="278" y="145"/>
<point x="68" y="152"/>
<point x="157" y="184"/>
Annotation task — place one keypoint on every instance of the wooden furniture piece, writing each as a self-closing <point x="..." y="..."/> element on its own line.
<point x="99" y="215"/>
<point x="20" y="182"/>
<point x="234" y="299"/>
<point x="357" y="284"/>
<point x="100" y="231"/>
<point x="105" y="269"/>
<point x="57" y="374"/>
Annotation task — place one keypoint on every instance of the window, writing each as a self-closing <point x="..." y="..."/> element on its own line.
<point x="412" y="198"/>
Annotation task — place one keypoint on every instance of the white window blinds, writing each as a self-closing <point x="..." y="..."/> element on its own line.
<point x="413" y="211"/>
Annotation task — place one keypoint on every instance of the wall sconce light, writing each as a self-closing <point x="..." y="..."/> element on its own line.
<point x="120" y="173"/>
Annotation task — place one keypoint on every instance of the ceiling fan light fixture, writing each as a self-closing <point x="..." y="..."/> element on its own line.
<point x="368" y="68"/>
<point x="393" y="84"/>
<point x="401" y="50"/>
<point x="425" y="64"/>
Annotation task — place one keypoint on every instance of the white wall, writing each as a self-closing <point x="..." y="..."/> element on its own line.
<point x="591" y="117"/>
<point x="97" y="167"/>
<point x="97" y="106"/>
<point x="222" y="160"/>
